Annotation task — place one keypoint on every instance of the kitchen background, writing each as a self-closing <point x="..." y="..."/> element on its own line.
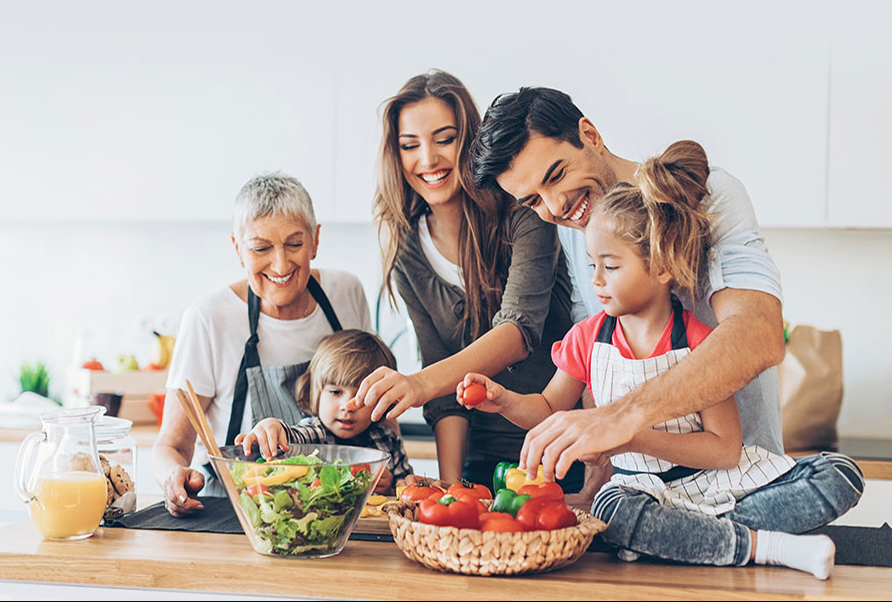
<point x="127" y="130"/>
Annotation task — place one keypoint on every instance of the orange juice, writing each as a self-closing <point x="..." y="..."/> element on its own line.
<point x="69" y="505"/>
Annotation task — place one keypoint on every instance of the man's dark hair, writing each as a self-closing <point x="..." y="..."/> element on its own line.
<point x="510" y="120"/>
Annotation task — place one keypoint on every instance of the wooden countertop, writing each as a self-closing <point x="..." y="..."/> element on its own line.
<point x="145" y="435"/>
<point x="227" y="564"/>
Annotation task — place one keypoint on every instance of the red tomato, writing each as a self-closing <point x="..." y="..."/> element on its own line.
<point x="420" y="491"/>
<point x="501" y="525"/>
<point x="257" y="489"/>
<point x="360" y="467"/>
<point x="528" y="514"/>
<point x="485" y="516"/>
<point x="449" y="512"/>
<point x="316" y="482"/>
<point x="543" y="514"/>
<point x="556" y="515"/>
<point x="549" y="489"/>
<point x="466" y="488"/>
<point x="474" y="394"/>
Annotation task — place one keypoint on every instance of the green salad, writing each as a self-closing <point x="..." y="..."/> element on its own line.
<point x="300" y="504"/>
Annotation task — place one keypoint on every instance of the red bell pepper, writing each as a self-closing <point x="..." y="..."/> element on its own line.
<point x="543" y="514"/>
<point x="449" y="511"/>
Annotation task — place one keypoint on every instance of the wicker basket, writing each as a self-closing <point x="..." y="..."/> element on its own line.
<point x="474" y="552"/>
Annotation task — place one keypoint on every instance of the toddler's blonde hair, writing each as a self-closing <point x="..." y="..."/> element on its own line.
<point x="342" y="359"/>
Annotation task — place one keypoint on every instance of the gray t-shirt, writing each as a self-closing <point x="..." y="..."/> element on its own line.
<point x="536" y="299"/>
<point x="738" y="259"/>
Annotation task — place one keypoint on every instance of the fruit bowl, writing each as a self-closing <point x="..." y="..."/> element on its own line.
<point x="473" y="552"/>
<point x="303" y="504"/>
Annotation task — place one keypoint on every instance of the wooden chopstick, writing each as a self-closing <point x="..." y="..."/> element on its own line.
<point x="211" y="443"/>
<point x="193" y="419"/>
<point x="200" y="423"/>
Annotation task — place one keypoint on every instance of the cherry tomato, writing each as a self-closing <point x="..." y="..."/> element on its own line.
<point x="258" y="489"/>
<point x="316" y="482"/>
<point x="356" y="468"/>
<point x="474" y="394"/>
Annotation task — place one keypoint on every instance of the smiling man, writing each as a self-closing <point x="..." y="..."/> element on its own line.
<point x="538" y="146"/>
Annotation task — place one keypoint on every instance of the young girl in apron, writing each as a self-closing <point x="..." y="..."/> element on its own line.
<point x="684" y="490"/>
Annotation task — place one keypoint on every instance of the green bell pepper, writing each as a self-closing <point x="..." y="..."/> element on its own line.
<point x="509" y="501"/>
<point x="498" y="476"/>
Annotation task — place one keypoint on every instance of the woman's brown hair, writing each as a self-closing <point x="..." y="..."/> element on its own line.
<point x="342" y="359"/>
<point x="663" y="216"/>
<point x="482" y="244"/>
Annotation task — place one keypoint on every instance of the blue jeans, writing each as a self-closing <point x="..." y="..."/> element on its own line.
<point x="816" y="491"/>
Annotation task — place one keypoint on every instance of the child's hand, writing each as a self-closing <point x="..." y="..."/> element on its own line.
<point x="268" y="434"/>
<point x="385" y="483"/>
<point x="480" y="393"/>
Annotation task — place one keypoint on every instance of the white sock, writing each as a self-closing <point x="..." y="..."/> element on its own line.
<point x="810" y="553"/>
<point x="627" y="555"/>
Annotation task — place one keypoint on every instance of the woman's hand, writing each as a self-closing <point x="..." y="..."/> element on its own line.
<point x="180" y="487"/>
<point x="268" y="434"/>
<point x="385" y="483"/>
<point x="386" y="387"/>
<point x="494" y="397"/>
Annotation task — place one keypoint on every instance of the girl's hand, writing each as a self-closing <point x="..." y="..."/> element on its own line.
<point x="269" y="435"/>
<point x="494" y="397"/>
<point x="386" y="387"/>
<point x="385" y="483"/>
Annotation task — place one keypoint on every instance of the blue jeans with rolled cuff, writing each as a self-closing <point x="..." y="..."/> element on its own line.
<point x="816" y="491"/>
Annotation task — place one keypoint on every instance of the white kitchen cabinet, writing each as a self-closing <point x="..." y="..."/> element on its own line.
<point x="751" y="89"/>
<point x="860" y="122"/>
<point x="123" y="111"/>
<point x="111" y="111"/>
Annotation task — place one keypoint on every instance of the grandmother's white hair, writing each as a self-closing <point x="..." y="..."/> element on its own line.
<point x="272" y="194"/>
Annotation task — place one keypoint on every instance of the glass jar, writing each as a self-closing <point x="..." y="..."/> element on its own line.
<point x="117" y="455"/>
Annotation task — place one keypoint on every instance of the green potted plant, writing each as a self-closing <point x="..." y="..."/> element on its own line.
<point x="35" y="378"/>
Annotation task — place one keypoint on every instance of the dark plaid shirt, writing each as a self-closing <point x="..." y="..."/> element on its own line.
<point x="311" y="430"/>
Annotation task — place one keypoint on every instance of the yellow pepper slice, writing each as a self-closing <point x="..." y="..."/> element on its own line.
<point x="516" y="478"/>
<point x="376" y="500"/>
<point x="283" y="474"/>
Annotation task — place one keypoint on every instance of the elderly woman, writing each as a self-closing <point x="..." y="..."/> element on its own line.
<point x="243" y="346"/>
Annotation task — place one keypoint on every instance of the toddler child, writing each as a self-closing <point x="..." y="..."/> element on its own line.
<point x="340" y="363"/>
<point x="687" y="489"/>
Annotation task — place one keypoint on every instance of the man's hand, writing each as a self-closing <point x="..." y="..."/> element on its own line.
<point x="565" y="437"/>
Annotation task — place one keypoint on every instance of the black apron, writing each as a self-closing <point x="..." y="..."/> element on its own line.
<point x="270" y="388"/>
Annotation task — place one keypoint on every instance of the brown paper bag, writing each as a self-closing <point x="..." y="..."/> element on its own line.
<point x="811" y="388"/>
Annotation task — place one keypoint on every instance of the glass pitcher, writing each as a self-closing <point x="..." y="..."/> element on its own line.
<point x="65" y="486"/>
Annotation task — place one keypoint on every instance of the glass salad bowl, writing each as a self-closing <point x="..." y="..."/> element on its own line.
<point x="305" y="502"/>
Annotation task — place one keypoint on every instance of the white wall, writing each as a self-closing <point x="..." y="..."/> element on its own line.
<point x="126" y="129"/>
<point x="118" y="280"/>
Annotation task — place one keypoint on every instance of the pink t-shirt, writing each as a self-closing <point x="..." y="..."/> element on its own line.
<point x="573" y="354"/>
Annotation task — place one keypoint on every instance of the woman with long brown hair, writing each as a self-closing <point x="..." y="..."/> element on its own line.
<point x="483" y="280"/>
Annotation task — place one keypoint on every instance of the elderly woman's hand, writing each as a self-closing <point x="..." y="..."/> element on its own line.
<point x="386" y="387"/>
<point x="180" y="487"/>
